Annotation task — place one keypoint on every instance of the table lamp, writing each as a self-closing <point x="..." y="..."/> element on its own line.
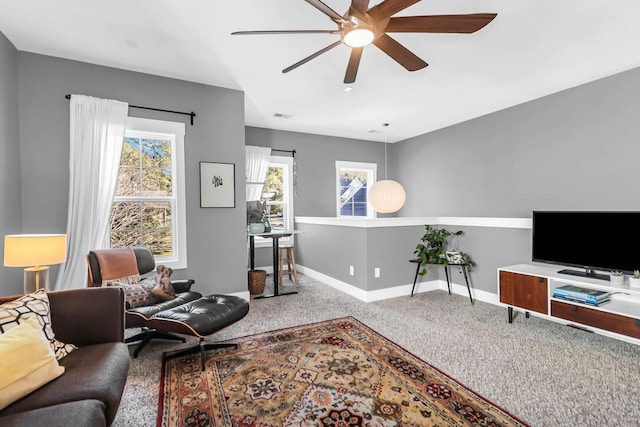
<point x="36" y="252"/>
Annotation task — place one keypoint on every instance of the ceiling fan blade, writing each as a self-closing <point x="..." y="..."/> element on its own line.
<point x="360" y="5"/>
<point x="352" y="67"/>
<point x="243" y="33"/>
<point x="335" y="16"/>
<point x="440" y="23"/>
<point x="310" y="57"/>
<point x="399" y="53"/>
<point x="391" y="7"/>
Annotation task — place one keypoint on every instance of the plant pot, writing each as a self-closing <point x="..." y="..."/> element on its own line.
<point x="634" y="283"/>
<point x="616" y="280"/>
<point x="256" y="228"/>
<point x="454" y="257"/>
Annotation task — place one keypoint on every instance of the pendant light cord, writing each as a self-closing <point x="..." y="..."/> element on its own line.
<point x="385" y="125"/>
<point x="385" y="157"/>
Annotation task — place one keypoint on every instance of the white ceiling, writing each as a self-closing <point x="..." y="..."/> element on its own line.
<point x="532" y="48"/>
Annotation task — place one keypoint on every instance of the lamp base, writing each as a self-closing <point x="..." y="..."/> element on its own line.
<point x="36" y="278"/>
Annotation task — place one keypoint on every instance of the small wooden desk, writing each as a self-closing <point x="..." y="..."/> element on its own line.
<point x="463" y="267"/>
<point x="275" y="236"/>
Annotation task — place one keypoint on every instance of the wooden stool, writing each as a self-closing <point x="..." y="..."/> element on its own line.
<point x="288" y="250"/>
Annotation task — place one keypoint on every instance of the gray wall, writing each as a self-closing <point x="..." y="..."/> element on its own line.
<point x="331" y="250"/>
<point x="10" y="189"/>
<point x="573" y="150"/>
<point x="316" y="157"/>
<point x="576" y="149"/>
<point x="390" y="249"/>
<point x="216" y="238"/>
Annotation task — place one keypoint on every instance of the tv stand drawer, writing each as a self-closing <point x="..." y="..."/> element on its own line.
<point x="598" y="319"/>
<point x="524" y="291"/>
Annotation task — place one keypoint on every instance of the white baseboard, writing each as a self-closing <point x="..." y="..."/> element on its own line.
<point x="398" y="291"/>
<point x="477" y="294"/>
<point x="245" y="295"/>
<point x="354" y="291"/>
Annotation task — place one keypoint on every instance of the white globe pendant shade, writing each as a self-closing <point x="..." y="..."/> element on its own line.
<point x="387" y="196"/>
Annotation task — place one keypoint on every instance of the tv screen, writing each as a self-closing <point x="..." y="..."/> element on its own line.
<point x="590" y="240"/>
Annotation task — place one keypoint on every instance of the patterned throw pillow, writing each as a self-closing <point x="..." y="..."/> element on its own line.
<point x="35" y="305"/>
<point x="137" y="295"/>
<point x="128" y="280"/>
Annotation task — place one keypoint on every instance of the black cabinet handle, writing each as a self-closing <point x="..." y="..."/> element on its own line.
<point x="574" y="308"/>
<point x="540" y="279"/>
<point x="637" y="322"/>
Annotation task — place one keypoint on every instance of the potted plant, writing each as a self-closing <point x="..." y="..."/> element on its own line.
<point x="616" y="278"/>
<point x="432" y="249"/>
<point x="634" y="281"/>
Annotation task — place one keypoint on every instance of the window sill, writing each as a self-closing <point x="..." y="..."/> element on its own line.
<point x="172" y="263"/>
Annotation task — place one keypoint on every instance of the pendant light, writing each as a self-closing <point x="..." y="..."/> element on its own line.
<point x="387" y="196"/>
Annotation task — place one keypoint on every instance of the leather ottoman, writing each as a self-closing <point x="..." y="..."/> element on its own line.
<point x="201" y="318"/>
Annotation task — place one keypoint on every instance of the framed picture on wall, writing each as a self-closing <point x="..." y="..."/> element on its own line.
<point x="217" y="185"/>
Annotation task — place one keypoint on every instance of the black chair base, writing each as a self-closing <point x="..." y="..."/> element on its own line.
<point x="150" y="334"/>
<point x="202" y="348"/>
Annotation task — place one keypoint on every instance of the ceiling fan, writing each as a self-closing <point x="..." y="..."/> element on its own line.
<point x="362" y="26"/>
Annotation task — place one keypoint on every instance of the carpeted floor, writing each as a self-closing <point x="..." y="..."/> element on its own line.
<point x="543" y="372"/>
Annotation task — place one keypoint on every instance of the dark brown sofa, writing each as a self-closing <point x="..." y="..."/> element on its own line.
<point x="89" y="392"/>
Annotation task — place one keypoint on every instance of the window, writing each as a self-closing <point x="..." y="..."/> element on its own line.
<point x="149" y="207"/>
<point x="278" y="194"/>
<point x="353" y="180"/>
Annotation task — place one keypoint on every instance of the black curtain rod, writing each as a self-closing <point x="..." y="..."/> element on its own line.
<point x="293" y="152"/>
<point x="191" y="114"/>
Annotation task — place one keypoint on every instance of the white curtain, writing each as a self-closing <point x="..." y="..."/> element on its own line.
<point x="96" y="136"/>
<point x="256" y="167"/>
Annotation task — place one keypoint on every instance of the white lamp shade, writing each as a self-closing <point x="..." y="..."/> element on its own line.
<point x="387" y="196"/>
<point x="26" y="250"/>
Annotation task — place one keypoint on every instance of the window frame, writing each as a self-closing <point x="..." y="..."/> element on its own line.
<point x="372" y="171"/>
<point x="287" y="163"/>
<point x="154" y="128"/>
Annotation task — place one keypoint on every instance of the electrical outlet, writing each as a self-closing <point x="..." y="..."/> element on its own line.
<point x="352" y="270"/>
<point x="376" y="272"/>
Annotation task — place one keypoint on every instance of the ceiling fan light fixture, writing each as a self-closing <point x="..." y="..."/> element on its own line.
<point x="358" y="37"/>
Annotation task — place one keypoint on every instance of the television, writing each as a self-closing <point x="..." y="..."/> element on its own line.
<point x="588" y="240"/>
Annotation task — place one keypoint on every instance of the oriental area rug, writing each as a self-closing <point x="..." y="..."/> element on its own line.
<point x="333" y="373"/>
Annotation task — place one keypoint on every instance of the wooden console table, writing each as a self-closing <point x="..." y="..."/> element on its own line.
<point x="463" y="267"/>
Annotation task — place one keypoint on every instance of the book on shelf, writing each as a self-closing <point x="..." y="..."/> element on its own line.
<point x="585" y="293"/>
<point x="582" y="300"/>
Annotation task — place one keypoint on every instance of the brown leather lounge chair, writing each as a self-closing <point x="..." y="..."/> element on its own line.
<point x="109" y="262"/>
<point x="188" y="313"/>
